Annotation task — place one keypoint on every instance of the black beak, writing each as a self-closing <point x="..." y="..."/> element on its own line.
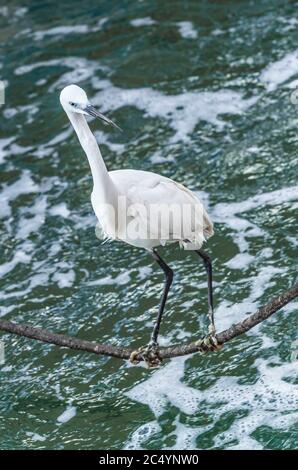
<point x="93" y="112"/>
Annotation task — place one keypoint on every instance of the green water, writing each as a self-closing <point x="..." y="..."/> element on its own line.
<point x="203" y="93"/>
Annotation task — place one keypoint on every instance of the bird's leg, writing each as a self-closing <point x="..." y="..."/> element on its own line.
<point x="211" y="329"/>
<point x="150" y="352"/>
<point x="168" y="281"/>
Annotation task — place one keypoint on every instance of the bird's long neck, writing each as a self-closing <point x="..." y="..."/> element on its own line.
<point x="103" y="187"/>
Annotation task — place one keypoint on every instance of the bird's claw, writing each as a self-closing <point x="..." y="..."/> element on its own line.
<point x="209" y="342"/>
<point x="149" y="354"/>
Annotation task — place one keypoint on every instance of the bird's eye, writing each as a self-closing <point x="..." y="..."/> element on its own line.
<point x="72" y="103"/>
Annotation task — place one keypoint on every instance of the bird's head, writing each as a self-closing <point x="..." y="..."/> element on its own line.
<point x="74" y="100"/>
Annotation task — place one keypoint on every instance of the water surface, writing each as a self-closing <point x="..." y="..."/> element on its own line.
<point x="202" y="91"/>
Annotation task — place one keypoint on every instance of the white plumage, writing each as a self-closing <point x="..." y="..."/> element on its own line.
<point x="146" y="197"/>
<point x="149" y="193"/>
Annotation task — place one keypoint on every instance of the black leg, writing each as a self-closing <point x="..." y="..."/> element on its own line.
<point x="150" y="354"/>
<point x="168" y="281"/>
<point x="208" y="266"/>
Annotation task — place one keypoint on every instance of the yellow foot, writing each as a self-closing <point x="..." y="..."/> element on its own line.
<point x="209" y="342"/>
<point x="149" y="354"/>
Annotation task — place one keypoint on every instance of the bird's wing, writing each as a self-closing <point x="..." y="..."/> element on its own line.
<point x="162" y="204"/>
<point x="207" y="222"/>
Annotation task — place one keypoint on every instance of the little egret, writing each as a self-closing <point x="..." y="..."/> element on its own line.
<point x="141" y="191"/>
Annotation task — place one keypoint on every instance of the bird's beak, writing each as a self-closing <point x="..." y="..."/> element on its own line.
<point x="89" y="109"/>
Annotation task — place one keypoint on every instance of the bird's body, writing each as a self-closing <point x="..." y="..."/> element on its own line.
<point x="148" y="193"/>
<point x="140" y="208"/>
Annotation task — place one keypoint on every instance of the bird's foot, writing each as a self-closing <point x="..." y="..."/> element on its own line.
<point x="149" y="354"/>
<point x="209" y="342"/>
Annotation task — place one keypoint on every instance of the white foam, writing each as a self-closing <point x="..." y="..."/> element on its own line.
<point x="293" y="84"/>
<point x="67" y="61"/>
<point x="269" y="401"/>
<point x="280" y="71"/>
<point x="5" y="310"/>
<point x="146" y="21"/>
<point x="144" y="272"/>
<point x="4" y="143"/>
<point x="290" y="23"/>
<point x="35" y="436"/>
<point x="30" y="110"/>
<point x="64" y="275"/>
<point x="266" y="252"/>
<point x="187" y="30"/>
<point x="182" y="111"/>
<point x="59" y="31"/>
<point x="217" y="32"/>
<point x="102" y="22"/>
<point x="60" y="137"/>
<point x="19" y="256"/>
<point x="58" y="391"/>
<point x="24" y="185"/>
<point x="60" y="210"/>
<point x="6" y="369"/>
<point x="292" y="240"/>
<point x="16" y="149"/>
<point x="228" y="312"/>
<point x="81" y="70"/>
<point x="36" y="280"/>
<point x="142" y="434"/>
<point x="228" y="214"/>
<point x="157" y="158"/>
<point x="4" y="11"/>
<point x="254" y="149"/>
<point x="84" y="222"/>
<point x="67" y="415"/>
<point x="240" y="261"/>
<point x="280" y="196"/>
<point x="28" y="225"/>
<point x="13" y="14"/>
<point x="185" y="436"/>
<point x="121" y="279"/>
<point x="102" y="138"/>
<point x="156" y="392"/>
<point x="20" y="12"/>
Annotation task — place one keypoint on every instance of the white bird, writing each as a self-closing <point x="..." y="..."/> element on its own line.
<point x="127" y="204"/>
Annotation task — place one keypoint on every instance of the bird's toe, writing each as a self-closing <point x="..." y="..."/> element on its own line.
<point x="149" y="354"/>
<point x="209" y="343"/>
